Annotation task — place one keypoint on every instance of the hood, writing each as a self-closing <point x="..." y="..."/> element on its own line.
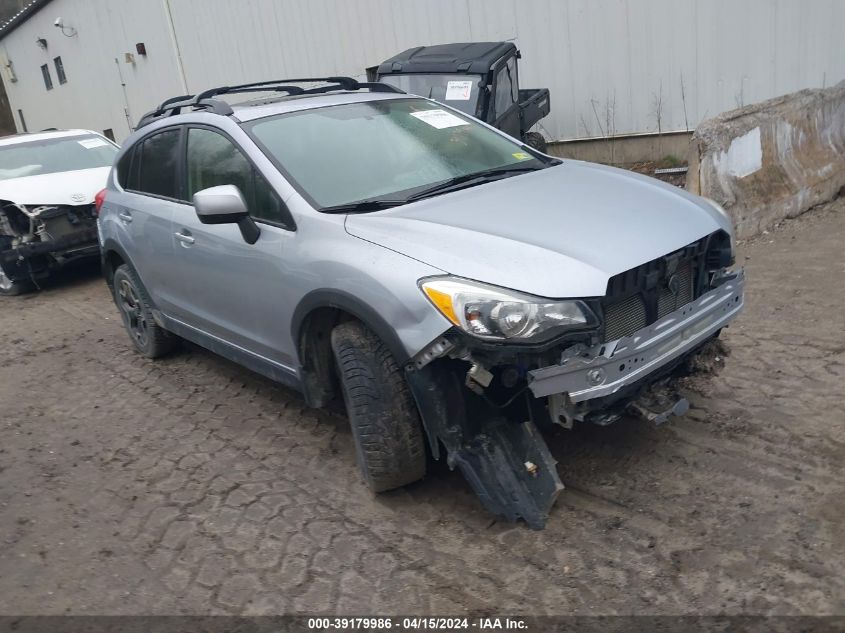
<point x="559" y="232"/>
<point x="65" y="187"/>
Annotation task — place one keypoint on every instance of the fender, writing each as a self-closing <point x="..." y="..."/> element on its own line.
<point x="111" y="245"/>
<point x="314" y="364"/>
<point x="342" y="300"/>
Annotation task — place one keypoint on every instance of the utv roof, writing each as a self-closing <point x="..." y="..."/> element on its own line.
<point x="465" y="57"/>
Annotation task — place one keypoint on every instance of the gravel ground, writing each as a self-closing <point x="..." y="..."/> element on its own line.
<point x="190" y="485"/>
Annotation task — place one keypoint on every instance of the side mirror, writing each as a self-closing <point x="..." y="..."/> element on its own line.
<point x="226" y="205"/>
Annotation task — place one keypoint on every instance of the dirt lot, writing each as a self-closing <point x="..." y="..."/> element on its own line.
<point x="190" y="485"/>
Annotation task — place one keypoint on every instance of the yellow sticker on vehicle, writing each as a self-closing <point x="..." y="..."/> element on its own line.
<point x="521" y="155"/>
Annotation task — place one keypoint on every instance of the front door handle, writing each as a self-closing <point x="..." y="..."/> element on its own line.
<point x="185" y="237"/>
<point x="125" y="216"/>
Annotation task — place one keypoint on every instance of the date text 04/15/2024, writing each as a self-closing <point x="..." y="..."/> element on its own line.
<point x="417" y="624"/>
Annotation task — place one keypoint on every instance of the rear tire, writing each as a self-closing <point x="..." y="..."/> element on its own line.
<point x="10" y="288"/>
<point x="385" y="422"/>
<point x="536" y="140"/>
<point x="134" y="305"/>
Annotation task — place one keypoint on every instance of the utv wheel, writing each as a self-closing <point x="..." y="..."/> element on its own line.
<point x="536" y="140"/>
<point x="385" y="423"/>
<point x="149" y="338"/>
<point x="11" y="288"/>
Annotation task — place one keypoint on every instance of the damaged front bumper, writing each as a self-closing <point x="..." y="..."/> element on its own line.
<point x="606" y="368"/>
<point x="37" y="239"/>
<point x="505" y="460"/>
<point x="83" y="242"/>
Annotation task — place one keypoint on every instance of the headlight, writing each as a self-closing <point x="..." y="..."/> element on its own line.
<point x="497" y="314"/>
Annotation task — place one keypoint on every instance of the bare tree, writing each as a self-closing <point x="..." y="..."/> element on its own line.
<point x="594" y="103"/>
<point x="657" y="112"/>
<point x="610" y="124"/>
<point x="607" y="128"/>
<point x="657" y="108"/>
<point x="585" y="126"/>
<point x="740" y="98"/>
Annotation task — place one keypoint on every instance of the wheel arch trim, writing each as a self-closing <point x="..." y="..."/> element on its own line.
<point x="347" y="302"/>
<point x="110" y="245"/>
<point x="315" y="372"/>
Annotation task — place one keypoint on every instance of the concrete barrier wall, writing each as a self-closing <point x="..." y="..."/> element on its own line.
<point x="624" y="150"/>
<point x="772" y="160"/>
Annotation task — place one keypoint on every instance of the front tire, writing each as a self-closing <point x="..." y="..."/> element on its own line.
<point x="10" y="288"/>
<point x="385" y="422"/>
<point x="149" y="338"/>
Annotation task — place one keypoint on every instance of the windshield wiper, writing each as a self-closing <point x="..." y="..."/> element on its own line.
<point x="475" y="178"/>
<point x="363" y="206"/>
<point x="458" y="182"/>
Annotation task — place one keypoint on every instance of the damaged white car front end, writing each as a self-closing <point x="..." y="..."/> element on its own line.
<point x="48" y="183"/>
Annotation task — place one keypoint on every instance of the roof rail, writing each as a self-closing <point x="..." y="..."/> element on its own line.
<point x="174" y="106"/>
<point x="205" y="101"/>
<point x="276" y="85"/>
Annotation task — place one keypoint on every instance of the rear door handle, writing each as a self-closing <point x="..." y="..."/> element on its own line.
<point x="185" y="237"/>
<point x="125" y="216"/>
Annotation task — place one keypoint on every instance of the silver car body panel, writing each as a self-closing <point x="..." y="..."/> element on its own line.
<point x="608" y="367"/>
<point x="246" y="295"/>
<point x="560" y="232"/>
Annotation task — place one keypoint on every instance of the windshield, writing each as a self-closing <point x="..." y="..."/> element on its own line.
<point x="48" y="156"/>
<point x="388" y="149"/>
<point x="458" y="91"/>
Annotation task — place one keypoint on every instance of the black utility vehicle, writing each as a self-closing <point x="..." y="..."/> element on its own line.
<point x="478" y="78"/>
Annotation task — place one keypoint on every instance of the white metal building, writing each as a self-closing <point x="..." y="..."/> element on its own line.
<point x="613" y="66"/>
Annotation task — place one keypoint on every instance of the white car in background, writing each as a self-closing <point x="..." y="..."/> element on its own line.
<point x="48" y="216"/>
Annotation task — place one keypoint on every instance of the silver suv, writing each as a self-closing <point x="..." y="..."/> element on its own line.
<point x="456" y="287"/>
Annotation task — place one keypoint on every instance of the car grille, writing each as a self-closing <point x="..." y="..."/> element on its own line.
<point x="624" y="317"/>
<point x="642" y="295"/>
<point x="670" y="301"/>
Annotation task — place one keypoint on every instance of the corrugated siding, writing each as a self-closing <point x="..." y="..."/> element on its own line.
<point x="93" y="96"/>
<point x="613" y="66"/>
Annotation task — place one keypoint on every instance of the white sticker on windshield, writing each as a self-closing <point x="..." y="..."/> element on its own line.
<point x="91" y="143"/>
<point x="458" y="90"/>
<point x="439" y="118"/>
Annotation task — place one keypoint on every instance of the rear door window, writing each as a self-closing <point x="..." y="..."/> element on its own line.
<point x="158" y="172"/>
<point x="127" y="175"/>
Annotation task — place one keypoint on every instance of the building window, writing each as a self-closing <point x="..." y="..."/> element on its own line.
<point x="60" y="70"/>
<point x="109" y="134"/>
<point x="23" y="121"/>
<point x="48" y="81"/>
